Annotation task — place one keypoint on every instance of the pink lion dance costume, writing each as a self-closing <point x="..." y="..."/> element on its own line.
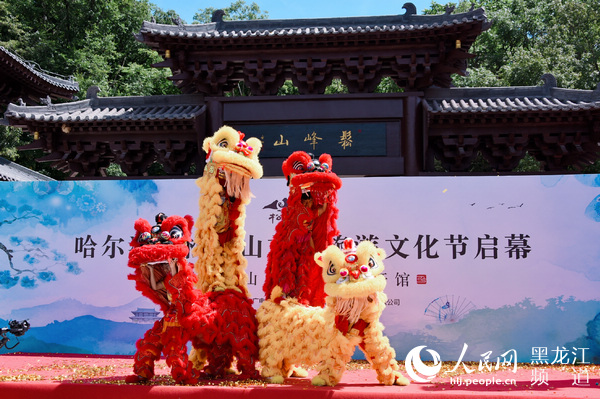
<point x="308" y="225"/>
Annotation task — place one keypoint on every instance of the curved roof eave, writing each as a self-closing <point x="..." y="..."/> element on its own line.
<point x="166" y="107"/>
<point x="408" y="22"/>
<point x="547" y="97"/>
<point x="28" y="70"/>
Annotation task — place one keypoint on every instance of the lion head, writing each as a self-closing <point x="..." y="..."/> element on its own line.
<point x="314" y="177"/>
<point x="161" y="246"/>
<point x="167" y="239"/>
<point x="353" y="276"/>
<point x="235" y="160"/>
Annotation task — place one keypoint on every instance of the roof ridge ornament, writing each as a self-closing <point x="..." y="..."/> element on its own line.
<point x="410" y="8"/>
<point x="450" y="9"/>
<point x="217" y="16"/>
<point x="179" y="22"/>
<point x="47" y="100"/>
<point x="92" y="92"/>
<point x="549" y="81"/>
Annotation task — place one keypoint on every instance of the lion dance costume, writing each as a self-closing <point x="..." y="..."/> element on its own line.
<point x="308" y="225"/>
<point x="163" y="275"/>
<point x="291" y="333"/>
<point x="221" y="267"/>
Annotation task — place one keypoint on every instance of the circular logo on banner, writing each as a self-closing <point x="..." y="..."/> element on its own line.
<point x="415" y="367"/>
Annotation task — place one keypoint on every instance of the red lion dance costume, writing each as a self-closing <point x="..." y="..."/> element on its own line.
<point x="163" y="275"/>
<point x="220" y="325"/>
<point x="308" y="225"/>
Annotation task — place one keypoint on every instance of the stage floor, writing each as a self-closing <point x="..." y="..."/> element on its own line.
<point x="89" y="377"/>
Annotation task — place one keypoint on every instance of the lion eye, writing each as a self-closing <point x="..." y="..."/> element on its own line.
<point x="372" y="263"/>
<point x="176" y="232"/>
<point x="331" y="271"/>
<point x="144" y="237"/>
<point x="223" y="143"/>
<point x="298" y="165"/>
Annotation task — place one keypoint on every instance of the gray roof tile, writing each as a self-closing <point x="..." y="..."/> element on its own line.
<point x="174" y="107"/>
<point x="319" y="26"/>
<point x="64" y="83"/>
<point x="10" y="171"/>
<point x="510" y="99"/>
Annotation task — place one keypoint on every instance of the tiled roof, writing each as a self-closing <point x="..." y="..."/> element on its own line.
<point x="168" y="107"/>
<point x="511" y="99"/>
<point x="319" y="26"/>
<point x="10" y="171"/>
<point x="508" y="104"/>
<point x="15" y="62"/>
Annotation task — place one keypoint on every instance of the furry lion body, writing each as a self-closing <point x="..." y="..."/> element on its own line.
<point x="219" y="235"/>
<point x="290" y="333"/>
<point x="308" y="225"/>
<point x="220" y="266"/>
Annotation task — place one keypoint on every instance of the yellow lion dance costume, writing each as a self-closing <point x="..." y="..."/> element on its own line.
<point x="290" y="333"/>
<point x="228" y="331"/>
<point x="224" y="194"/>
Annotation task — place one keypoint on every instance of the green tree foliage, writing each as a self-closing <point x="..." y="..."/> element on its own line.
<point x="288" y="89"/>
<point x="387" y="85"/>
<point x="11" y="138"/>
<point x="165" y="17"/>
<point x="237" y="11"/>
<point x="531" y="37"/>
<point x="11" y="30"/>
<point x="92" y="40"/>
<point x="336" y="87"/>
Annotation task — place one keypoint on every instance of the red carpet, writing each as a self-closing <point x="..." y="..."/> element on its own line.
<point x="90" y="377"/>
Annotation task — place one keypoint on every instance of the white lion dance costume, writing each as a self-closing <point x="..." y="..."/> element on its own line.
<point x="290" y="333"/>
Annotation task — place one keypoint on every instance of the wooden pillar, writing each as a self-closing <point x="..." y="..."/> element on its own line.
<point x="410" y="136"/>
<point x="214" y="115"/>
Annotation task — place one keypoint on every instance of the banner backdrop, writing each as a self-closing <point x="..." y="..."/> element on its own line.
<point x="477" y="267"/>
